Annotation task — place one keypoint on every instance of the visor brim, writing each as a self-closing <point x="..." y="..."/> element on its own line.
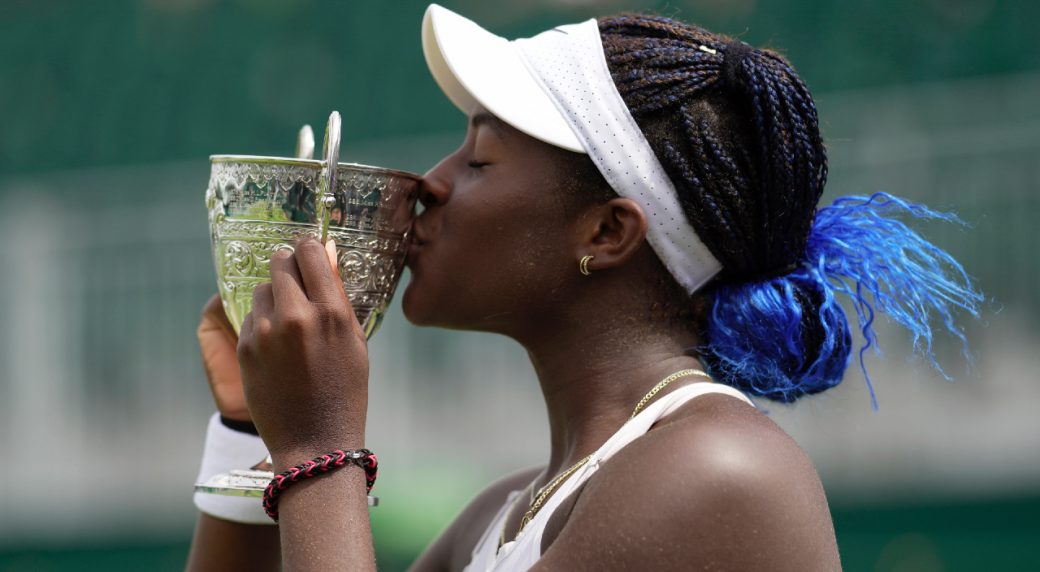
<point x="475" y="67"/>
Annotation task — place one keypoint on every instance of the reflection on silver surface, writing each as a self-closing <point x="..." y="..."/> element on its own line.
<point x="258" y="205"/>
<point x="246" y="483"/>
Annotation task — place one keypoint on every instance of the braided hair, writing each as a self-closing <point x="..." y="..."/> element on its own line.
<point x="737" y="132"/>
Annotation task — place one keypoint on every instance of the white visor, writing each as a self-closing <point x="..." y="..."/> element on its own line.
<point x="556" y="87"/>
<point x="473" y="66"/>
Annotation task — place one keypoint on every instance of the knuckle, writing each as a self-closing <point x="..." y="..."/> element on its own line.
<point x="260" y="335"/>
<point x="282" y="254"/>
<point x="296" y="321"/>
<point x="333" y="316"/>
<point x="359" y="337"/>
<point x="245" y="350"/>
<point x="359" y="333"/>
<point x="261" y="291"/>
<point x="263" y="330"/>
<point x="309" y="247"/>
<point x="207" y="308"/>
<point x="211" y="309"/>
<point x="339" y="320"/>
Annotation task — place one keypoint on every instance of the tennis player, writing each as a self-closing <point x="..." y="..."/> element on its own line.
<point x="636" y="204"/>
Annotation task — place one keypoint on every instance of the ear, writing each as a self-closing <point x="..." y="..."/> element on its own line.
<point x="612" y="233"/>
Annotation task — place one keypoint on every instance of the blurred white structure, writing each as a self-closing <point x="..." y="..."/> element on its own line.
<point x="103" y="402"/>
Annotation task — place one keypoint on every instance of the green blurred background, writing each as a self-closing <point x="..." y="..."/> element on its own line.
<point x="110" y="109"/>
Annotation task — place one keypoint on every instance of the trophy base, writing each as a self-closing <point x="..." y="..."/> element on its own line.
<point x="245" y="483"/>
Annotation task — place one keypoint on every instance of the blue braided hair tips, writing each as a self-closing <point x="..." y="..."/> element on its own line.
<point x="786" y="337"/>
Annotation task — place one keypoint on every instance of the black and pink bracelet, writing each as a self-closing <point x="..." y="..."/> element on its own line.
<point x="315" y="467"/>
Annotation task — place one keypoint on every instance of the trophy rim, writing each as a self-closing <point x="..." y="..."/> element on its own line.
<point x="313" y="163"/>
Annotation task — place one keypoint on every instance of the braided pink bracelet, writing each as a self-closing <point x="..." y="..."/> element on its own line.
<point x="315" y="467"/>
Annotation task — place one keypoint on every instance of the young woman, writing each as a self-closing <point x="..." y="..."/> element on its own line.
<point x="635" y="203"/>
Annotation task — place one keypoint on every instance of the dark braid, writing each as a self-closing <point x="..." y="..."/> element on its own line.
<point x="737" y="132"/>
<point x="743" y="148"/>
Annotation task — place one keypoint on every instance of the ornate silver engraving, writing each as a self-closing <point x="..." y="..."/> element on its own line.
<point x="259" y="205"/>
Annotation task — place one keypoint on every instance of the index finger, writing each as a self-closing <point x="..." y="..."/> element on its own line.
<point x="321" y="284"/>
<point x="286" y="280"/>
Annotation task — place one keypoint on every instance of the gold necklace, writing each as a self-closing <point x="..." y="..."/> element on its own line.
<point x="546" y="491"/>
<point x="661" y="385"/>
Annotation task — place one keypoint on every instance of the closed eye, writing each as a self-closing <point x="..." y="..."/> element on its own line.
<point x="477" y="164"/>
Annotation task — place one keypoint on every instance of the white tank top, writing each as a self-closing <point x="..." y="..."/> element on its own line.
<point x="526" y="549"/>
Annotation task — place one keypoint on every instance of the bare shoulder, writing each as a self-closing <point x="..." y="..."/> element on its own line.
<point x="451" y="550"/>
<point x="716" y="485"/>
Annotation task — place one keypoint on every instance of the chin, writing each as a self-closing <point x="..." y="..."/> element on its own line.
<point x="424" y="308"/>
<point x="409" y="305"/>
<point x="417" y="306"/>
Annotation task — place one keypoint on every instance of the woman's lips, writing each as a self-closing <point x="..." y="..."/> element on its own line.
<point x="416" y="240"/>
<point x="414" y="247"/>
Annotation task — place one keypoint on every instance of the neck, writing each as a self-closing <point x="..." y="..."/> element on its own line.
<point x="592" y="378"/>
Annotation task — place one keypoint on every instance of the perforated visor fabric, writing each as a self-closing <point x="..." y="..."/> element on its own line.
<point x="570" y="65"/>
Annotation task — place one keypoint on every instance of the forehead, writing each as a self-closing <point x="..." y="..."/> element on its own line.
<point x="483" y="121"/>
<point x="523" y="153"/>
<point x="482" y="118"/>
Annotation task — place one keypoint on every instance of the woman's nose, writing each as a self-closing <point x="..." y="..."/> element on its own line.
<point x="434" y="188"/>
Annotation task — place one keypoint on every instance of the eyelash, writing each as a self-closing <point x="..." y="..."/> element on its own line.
<point x="476" y="164"/>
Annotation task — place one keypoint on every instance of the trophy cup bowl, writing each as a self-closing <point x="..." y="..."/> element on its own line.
<point x="260" y="205"/>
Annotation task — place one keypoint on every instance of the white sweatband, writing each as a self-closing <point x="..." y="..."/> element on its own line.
<point x="569" y="64"/>
<point x="227" y="449"/>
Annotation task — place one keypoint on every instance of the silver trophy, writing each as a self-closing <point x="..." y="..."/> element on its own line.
<point x="259" y="205"/>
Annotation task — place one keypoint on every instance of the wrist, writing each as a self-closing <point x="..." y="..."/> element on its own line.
<point x="330" y="467"/>
<point x="240" y="425"/>
<point x="284" y="458"/>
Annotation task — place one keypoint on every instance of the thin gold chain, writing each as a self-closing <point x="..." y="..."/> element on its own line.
<point x="546" y="491"/>
<point x="509" y="512"/>
<point x="662" y="384"/>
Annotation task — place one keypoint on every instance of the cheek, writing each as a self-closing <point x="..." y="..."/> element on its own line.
<point x="498" y="251"/>
<point x="482" y="281"/>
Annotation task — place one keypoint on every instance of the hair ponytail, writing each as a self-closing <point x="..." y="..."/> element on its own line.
<point x="788" y="336"/>
<point x="737" y="132"/>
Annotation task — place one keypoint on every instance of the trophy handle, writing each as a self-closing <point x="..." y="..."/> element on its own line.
<point x="329" y="168"/>
<point x="305" y="143"/>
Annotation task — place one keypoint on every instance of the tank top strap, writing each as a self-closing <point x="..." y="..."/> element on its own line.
<point x="525" y="550"/>
<point x="484" y="553"/>
<point x="662" y="407"/>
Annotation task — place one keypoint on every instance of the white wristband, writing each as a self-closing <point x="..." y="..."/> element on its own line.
<point x="227" y="449"/>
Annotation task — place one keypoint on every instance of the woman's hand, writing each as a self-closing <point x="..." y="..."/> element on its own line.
<point x="217" y="341"/>
<point x="304" y="358"/>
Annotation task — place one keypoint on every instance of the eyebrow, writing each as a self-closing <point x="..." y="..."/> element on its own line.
<point x="485" y="118"/>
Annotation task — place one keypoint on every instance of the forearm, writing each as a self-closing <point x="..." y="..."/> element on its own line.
<point x="224" y="545"/>
<point x="304" y="365"/>
<point x="324" y="523"/>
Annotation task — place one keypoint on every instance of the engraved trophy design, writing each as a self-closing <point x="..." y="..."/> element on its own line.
<point x="259" y="205"/>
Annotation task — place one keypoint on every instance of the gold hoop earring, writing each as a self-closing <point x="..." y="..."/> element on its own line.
<point x="583" y="266"/>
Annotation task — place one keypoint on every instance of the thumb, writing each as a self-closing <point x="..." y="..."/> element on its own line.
<point x="330" y="251"/>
